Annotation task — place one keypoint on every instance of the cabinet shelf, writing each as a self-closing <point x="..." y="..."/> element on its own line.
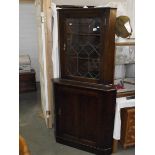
<point x="84" y="34"/>
<point x="125" y="42"/>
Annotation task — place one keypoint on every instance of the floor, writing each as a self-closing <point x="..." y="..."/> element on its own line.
<point x="41" y="140"/>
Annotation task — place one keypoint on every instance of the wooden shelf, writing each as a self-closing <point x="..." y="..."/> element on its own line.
<point x="126" y="42"/>
<point x="26" y="1"/>
<point x="84" y="34"/>
<point x="125" y="94"/>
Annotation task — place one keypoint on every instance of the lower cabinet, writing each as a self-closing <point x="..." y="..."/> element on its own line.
<point x="84" y="115"/>
<point x="128" y="127"/>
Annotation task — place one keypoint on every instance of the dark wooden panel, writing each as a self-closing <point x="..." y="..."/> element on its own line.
<point x="67" y="112"/>
<point x="84" y="116"/>
<point x="88" y="117"/>
<point x="27" y="76"/>
<point x="27" y="81"/>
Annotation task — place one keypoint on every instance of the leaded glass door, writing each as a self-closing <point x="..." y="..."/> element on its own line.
<point x="87" y="45"/>
<point x="82" y="47"/>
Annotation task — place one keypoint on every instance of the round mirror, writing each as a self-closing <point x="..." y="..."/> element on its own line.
<point x="123" y="27"/>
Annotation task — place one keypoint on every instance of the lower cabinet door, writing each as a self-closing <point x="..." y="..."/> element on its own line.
<point x="84" y="118"/>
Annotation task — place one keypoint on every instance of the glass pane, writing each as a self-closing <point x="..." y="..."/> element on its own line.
<point x="83" y="47"/>
<point x="83" y="25"/>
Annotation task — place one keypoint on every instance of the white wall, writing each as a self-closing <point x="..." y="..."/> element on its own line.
<point x="28" y="34"/>
<point x="84" y="2"/>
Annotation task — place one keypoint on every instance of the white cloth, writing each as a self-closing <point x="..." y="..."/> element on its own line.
<point x="125" y="55"/>
<point x="130" y="70"/>
<point x="55" y="53"/>
<point x="24" y="60"/>
<point x="24" y="68"/>
<point x="120" y="71"/>
<point x="24" y="63"/>
<point x="120" y="103"/>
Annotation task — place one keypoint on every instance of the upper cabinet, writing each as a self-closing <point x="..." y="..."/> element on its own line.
<point x="87" y="44"/>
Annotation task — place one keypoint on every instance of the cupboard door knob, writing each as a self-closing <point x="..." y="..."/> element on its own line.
<point x="64" y="47"/>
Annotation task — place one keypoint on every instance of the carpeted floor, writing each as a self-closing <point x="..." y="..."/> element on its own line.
<point x="41" y="141"/>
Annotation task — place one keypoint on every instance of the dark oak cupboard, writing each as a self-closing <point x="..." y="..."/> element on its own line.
<point x="84" y="95"/>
